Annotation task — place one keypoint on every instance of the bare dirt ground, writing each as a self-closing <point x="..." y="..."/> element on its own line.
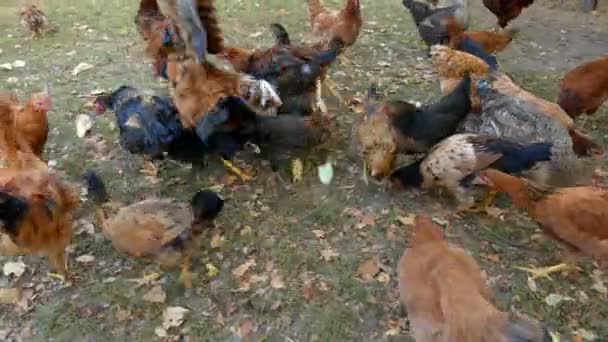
<point x="308" y="240"/>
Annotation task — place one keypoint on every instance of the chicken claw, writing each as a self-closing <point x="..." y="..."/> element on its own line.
<point x="543" y="272"/>
<point x="240" y="173"/>
<point x="260" y="93"/>
<point x="61" y="277"/>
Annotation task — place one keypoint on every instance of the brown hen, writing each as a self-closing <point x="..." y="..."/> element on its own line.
<point x="447" y="298"/>
<point x="584" y="88"/>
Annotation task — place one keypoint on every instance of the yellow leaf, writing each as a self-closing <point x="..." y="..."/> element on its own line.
<point x="241" y="270"/>
<point x="297" y="170"/>
<point x="368" y="269"/>
<point x="212" y="271"/>
<point x="407" y="220"/>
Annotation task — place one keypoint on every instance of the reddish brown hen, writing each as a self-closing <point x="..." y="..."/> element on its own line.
<point x="575" y="216"/>
<point x="33" y="19"/>
<point x="447" y="298"/>
<point x="506" y="10"/>
<point x="344" y="24"/>
<point x="585" y="88"/>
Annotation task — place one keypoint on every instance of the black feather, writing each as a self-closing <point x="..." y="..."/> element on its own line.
<point x="206" y="205"/>
<point x="96" y="189"/>
<point x="12" y="210"/>
<point x="408" y="176"/>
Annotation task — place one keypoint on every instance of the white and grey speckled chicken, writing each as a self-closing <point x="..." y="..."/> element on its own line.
<point x="514" y="118"/>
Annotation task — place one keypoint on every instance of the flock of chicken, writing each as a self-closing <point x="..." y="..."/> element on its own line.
<point x="485" y="130"/>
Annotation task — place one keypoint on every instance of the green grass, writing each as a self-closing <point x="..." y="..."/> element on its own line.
<point x="258" y="222"/>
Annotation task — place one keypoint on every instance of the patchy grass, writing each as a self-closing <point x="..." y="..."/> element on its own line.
<point x="287" y="232"/>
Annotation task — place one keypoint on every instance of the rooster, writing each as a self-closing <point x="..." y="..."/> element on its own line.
<point x="344" y="24"/>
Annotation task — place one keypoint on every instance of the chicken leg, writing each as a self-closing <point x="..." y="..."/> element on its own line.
<point x="482" y="208"/>
<point x="58" y="263"/>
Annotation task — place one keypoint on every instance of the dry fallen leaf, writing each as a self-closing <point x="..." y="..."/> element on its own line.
<point x="81" y="67"/>
<point x="173" y="317"/>
<point x="6" y="66"/>
<point x="217" y="240"/>
<point x="212" y="271"/>
<point x="10" y="296"/>
<point x="554" y="299"/>
<point x="329" y="254"/>
<point x="18" y="64"/>
<point x="407" y="220"/>
<point x="368" y="269"/>
<point x="12" y="80"/>
<point x="14" y="268"/>
<point x="493" y="257"/>
<point x="276" y="280"/>
<point x="245" y="328"/>
<point x="383" y="277"/>
<point x="320" y="234"/>
<point x="243" y="268"/>
<point x="122" y="314"/>
<point x="308" y="291"/>
<point x="156" y="295"/>
<point x="84" y="124"/>
<point x="297" y="170"/>
<point x="85" y="259"/>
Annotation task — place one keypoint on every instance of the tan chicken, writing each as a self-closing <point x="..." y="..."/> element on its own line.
<point x="447" y="298"/>
<point x="164" y="230"/>
<point x="34" y="20"/>
<point x="452" y="66"/>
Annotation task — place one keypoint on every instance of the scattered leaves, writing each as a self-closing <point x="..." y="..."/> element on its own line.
<point x="156" y="295"/>
<point x="383" y="278"/>
<point x="217" y="240"/>
<point x="320" y="234"/>
<point x="14" y="268"/>
<point x="308" y="291"/>
<point x="368" y="269"/>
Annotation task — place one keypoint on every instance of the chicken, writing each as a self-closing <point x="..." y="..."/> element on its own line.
<point x="293" y="70"/>
<point x="584" y="88"/>
<point x="447" y="298"/>
<point x="161" y="229"/>
<point x="15" y="150"/>
<point x="344" y="24"/>
<point x="583" y="145"/>
<point x="155" y="29"/>
<point x="34" y="20"/>
<point x="198" y="27"/>
<point x="420" y="10"/>
<point x="31" y="121"/>
<point x="452" y="65"/>
<point x="36" y="213"/>
<point x="478" y="43"/>
<point x="385" y="130"/>
<point x="148" y="124"/>
<point x="508" y="117"/>
<point x="432" y="23"/>
<point x="574" y="216"/>
<point x="454" y="162"/>
<point x="506" y="10"/>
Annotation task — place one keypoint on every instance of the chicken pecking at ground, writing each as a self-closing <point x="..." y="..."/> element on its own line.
<point x="574" y="216"/>
<point x="387" y="129"/>
<point x="164" y="230"/>
<point x="454" y="162"/>
<point x="446" y="296"/>
<point x="295" y="71"/>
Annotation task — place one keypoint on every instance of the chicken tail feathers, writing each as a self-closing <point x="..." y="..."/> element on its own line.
<point x="12" y="211"/>
<point x="96" y="189"/>
<point x="585" y="146"/>
<point x="520" y="329"/>
<point x="280" y="34"/>
<point x="187" y="11"/>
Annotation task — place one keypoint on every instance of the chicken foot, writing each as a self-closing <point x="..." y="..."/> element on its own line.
<point x="544" y="272"/>
<point x="482" y="208"/>
<point x="58" y="262"/>
<point x="240" y="173"/>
